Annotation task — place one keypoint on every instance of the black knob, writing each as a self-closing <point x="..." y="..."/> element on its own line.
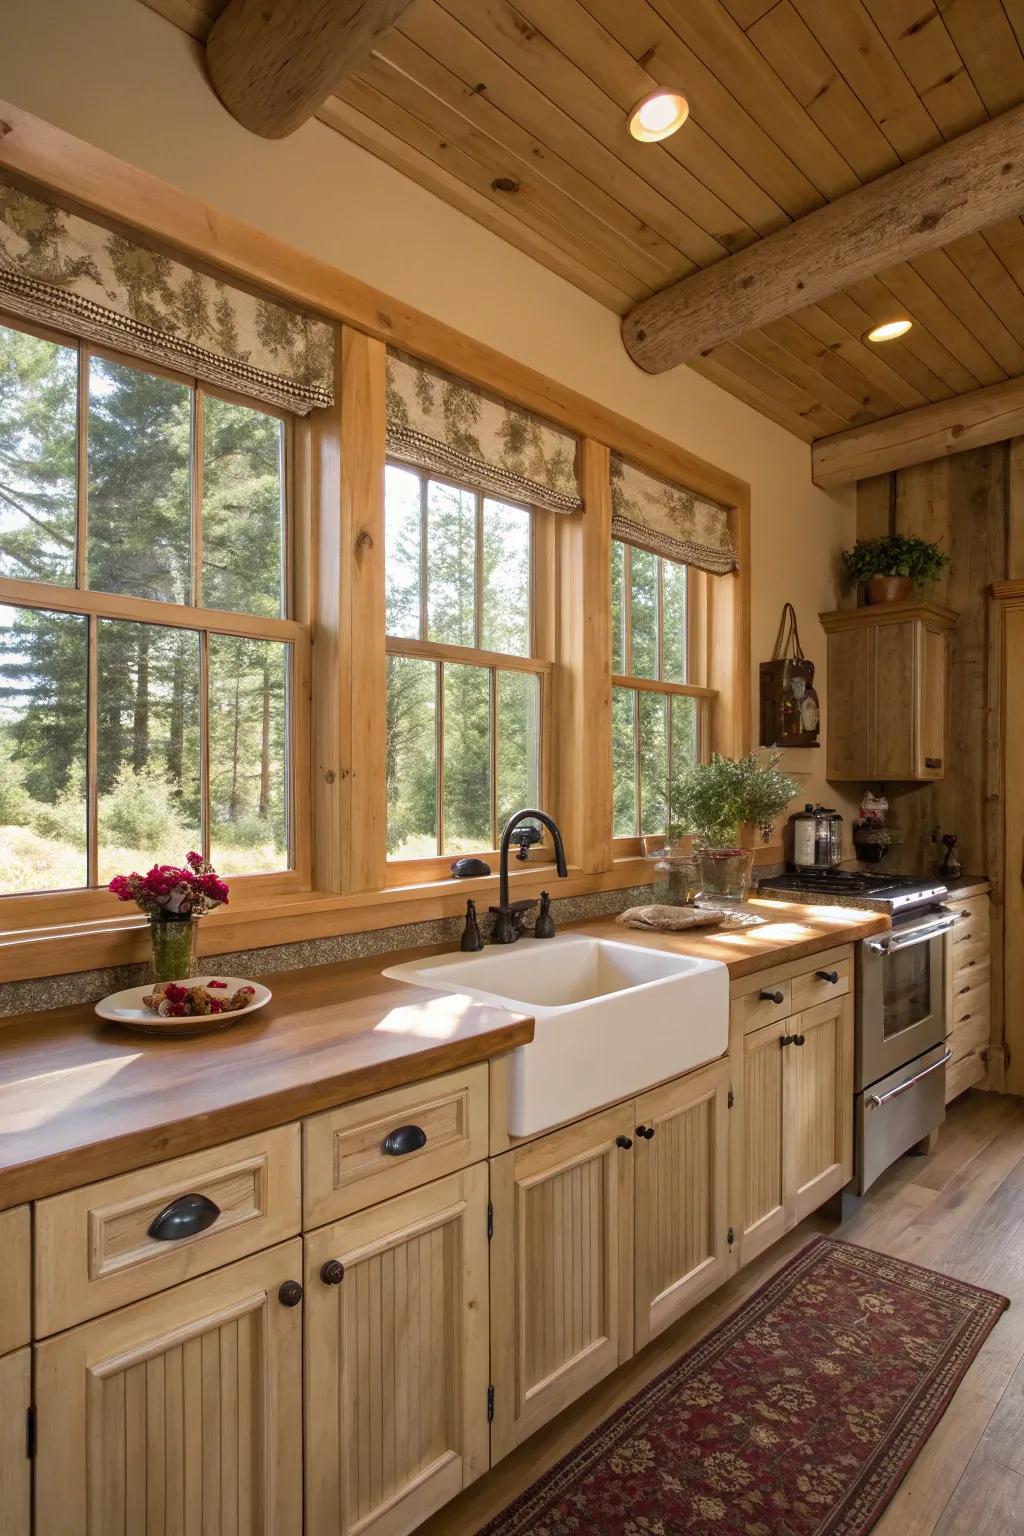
<point x="405" y="1138"/>
<point x="785" y="1040"/>
<point x="646" y="1131"/>
<point x="625" y="1142"/>
<point x="798" y="1039"/>
<point x="333" y="1272"/>
<point x="184" y="1217"/>
<point x="768" y="996"/>
<point x="830" y="976"/>
<point x="290" y="1293"/>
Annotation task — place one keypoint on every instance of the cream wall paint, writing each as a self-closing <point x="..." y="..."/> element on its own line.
<point x="118" y="75"/>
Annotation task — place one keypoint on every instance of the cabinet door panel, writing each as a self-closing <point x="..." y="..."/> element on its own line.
<point x="932" y="744"/>
<point x="15" y="1489"/>
<point x="896" y="680"/>
<point x="682" y="1248"/>
<point x="821" y="1102"/>
<point x="766" y="1188"/>
<point x="561" y="1270"/>
<point x="397" y="1359"/>
<point x="180" y="1413"/>
<point x="850" y="704"/>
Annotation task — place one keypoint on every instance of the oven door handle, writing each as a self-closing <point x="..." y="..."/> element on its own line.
<point x="876" y="1100"/>
<point x="891" y="941"/>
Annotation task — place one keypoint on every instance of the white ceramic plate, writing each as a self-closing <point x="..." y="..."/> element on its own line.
<point x="127" y="1008"/>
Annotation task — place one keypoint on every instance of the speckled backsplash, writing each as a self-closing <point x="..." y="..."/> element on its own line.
<point x="88" y="986"/>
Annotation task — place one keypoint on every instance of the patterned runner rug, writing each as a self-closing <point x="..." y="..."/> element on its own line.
<point x="798" y="1416"/>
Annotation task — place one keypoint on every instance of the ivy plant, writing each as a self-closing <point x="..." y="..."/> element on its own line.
<point x="893" y="556"/>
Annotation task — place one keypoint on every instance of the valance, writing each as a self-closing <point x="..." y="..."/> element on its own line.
<point x="68" y="272"/>
<point x="668" y="520"/>
<point x="449" y="426"/>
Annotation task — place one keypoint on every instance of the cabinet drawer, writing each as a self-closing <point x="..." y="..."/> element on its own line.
<point x="817" y="986"/>
<point x="968" y="961"/>
<point x="970" y="1002"/>
<point x="773" y="1002"/>
<point x="972" y="1034"/>
<point x="972" y="919"/>
<point x="354" y="1156"/>
<point x="963" y="1074"/>
<point x="96" y="1248"/>
<point x="15" y="1279"/>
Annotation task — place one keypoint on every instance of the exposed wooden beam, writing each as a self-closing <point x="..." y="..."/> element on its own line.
<point x="951" y="191"/>
<point x="274" y="62"/>
<point x="913" y="437"/>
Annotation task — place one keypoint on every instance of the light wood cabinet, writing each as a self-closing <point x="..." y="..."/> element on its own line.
<point x="887" y="676"/>
<point x="179" y="1413"/>
<point x="15" y="1278"/>
<point x="764" y="1162"/>
<point x="15" y="1473"/>
<point x="397" y="1365"/>
<point x="681" y="1193"/>
<point x="968" y="994"/>
<point x="561" y="1270"/>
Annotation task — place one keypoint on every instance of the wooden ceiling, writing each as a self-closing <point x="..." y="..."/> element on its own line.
<point x="515" y="112"/>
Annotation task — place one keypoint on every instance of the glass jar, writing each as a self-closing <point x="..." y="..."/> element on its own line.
<point x="726" y="874"/>
<point x="676" y="877"/>
<point x="174" y="947"/>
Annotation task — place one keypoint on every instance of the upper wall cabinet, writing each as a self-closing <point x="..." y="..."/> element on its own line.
<point x="886" y="706"/>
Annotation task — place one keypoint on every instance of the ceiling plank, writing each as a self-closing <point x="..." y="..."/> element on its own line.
<point x="931" y="432"/>
<point x="273" y="65"/>
<point x="951" y="191"/>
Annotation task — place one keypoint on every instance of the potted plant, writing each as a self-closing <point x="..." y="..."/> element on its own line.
<point x="174" y="900"/>
<point x="893" y="568"/>
<point x="713" y="800"/>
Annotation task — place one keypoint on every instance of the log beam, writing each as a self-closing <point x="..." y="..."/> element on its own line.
<point x="274" y="62"/>
<point x="914" y="437"/>
<point x="951" y="191"/>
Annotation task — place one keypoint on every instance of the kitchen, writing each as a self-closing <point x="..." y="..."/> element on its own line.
<point x="380" y="498"/>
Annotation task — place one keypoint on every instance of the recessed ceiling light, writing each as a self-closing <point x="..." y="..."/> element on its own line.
<point x="889" y="331"/>
<point x="658" y="115"/>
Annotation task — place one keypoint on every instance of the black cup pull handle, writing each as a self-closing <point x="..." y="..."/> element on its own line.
<point x="184" y="1217"/>
<point x="767" y="995"/>
<point x="799" y="1039"/>
<point x="404" y="1139"/>
<point x="830" y="976"/>
<point x="625" y="1142"/>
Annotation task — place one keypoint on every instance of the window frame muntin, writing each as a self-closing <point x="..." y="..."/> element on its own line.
<point x="93" y="900"/>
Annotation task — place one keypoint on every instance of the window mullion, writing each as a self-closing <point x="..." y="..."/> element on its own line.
<point x="204" y="740"/>
<point x="478" y="575"/>
<point x="636" y="761"/>
<point x="198" y="432"/>
<point x="439" y="754"/>
<point x="493" y="676"/>
<point x="668" y="776"/>
<point x="82" y="468"/>
<point x="92" y="789"/>
<point x="424" y="557"/>
<point x="659" y="618"/>
<point x="627" y="610"/>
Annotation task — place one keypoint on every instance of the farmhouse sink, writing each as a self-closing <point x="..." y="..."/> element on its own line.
<point x="611" y="1018"/>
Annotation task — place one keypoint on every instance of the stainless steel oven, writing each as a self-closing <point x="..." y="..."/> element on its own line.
<point x="900" y="1039"/>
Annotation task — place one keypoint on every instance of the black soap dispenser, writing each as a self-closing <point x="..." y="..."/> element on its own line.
<point x="472" y="939"/>
<point x="545" y="925"/>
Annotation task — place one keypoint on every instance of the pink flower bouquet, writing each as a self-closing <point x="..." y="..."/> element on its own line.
<point x="167" y="892"/>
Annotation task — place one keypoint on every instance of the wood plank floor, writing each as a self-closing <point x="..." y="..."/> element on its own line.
<point x="960" y="1210"/>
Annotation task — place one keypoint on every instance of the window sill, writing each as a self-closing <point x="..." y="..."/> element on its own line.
<point x="256" y="923"/>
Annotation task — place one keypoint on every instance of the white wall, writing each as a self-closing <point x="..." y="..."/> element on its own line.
<point x="118" y="75"/>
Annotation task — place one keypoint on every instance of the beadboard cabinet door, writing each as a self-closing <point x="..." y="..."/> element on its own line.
<point x="561" y="1270"/>
<point x="820" y="1103"/>
<point x="397" y="1359"/>
<point x="765" y="1156"/>
<point x="682" y="1192"/>
<point x="15" y="1475"/>
<point x="179" y="1413"/>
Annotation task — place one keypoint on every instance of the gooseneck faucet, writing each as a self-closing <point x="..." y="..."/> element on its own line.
<point x="508" y="916"/>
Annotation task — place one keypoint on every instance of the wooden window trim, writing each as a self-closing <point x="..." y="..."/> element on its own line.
<point x="91" y="903"/>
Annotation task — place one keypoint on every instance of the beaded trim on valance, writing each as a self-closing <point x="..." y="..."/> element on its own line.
<point x="450" y="427"/>
<point x="668" y="520"/>
<point x="66" y="271"/>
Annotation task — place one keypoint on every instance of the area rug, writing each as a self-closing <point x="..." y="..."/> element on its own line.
<point x="798" y="1416"/>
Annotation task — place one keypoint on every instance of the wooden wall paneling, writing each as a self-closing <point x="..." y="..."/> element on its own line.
<point x="1014" y="569"/>
<point x="363" y="662"/>
<point x="583" y="699"/>
<point x="329" y="716"/>
<point x="875" y="509"/>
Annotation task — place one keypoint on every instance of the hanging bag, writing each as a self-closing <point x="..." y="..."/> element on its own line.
<point x="790" y="712"/>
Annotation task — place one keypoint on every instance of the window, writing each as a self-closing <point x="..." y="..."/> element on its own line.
<point x="659" y="713"/>
<point x="146" y="652"/>
<point x="465" y="692"/>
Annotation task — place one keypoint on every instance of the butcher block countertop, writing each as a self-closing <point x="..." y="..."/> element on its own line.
<point x="790" y="932"/>
<point x="81" y="1100"/>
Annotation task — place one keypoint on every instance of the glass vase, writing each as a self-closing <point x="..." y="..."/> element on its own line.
<point x="174" y="947"/>
<point x="726" y="873"/>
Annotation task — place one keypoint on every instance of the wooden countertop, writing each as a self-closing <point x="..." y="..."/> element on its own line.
<point x="80" y="1099"/>
<point x="968" y="886"/>
<point x="790" y="931"/>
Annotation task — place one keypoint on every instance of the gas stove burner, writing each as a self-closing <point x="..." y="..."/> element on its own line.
<point x="886" y="893"/>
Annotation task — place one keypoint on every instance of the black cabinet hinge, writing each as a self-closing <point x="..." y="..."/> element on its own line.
<point x="490" y="1403"/>
<point x="490" y="1220"/>
<point x="730" y="1237"/>
<point x="30" y="1432"/>
<point x="732" y="1099"/>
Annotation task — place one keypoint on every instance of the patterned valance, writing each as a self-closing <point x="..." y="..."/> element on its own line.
<point x="68" y="272"/>
<point x="668" y="520"/>
<point x="452" y="428"/>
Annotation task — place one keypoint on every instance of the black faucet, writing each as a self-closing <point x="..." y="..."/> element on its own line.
<point x="508" y="916"/>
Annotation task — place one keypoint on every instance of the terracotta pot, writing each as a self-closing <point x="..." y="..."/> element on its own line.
<point x="889" y="589"/>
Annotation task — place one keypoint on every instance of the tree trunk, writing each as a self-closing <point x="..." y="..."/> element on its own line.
<point x="140" y="732"/>
<point x="265" y="749"/>
<point x="176" y="731"/>
<point x="233" y="801"/>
